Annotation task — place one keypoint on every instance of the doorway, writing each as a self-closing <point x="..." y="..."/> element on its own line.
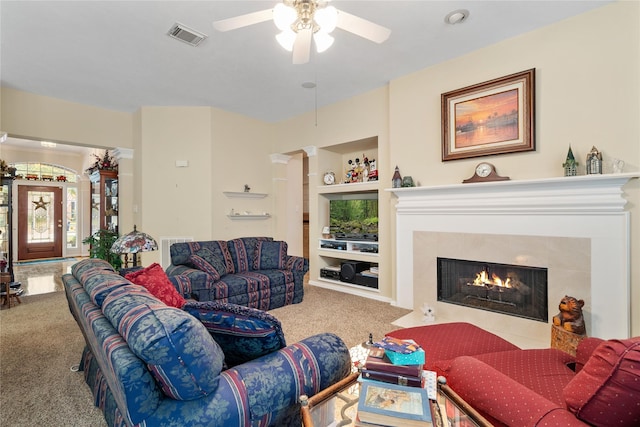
<point x="40" y="227"/>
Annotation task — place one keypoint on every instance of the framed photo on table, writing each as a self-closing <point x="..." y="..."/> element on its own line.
<point x="493" y="117"/>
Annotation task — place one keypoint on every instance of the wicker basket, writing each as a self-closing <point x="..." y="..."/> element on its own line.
<point x="565" y="340"/>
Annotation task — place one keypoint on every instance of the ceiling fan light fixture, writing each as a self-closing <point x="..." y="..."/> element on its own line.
<point x="322" y="40"/>
<point x="326" y="18"/>
<point x="286" y="39"/>
<point x="284" y="16"/>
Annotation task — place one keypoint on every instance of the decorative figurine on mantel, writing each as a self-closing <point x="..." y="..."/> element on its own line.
<point x="594" y="161"/>
<point x="570" y="165"/>
<point x="247" y="188"/>
<point x="396" y="181"/>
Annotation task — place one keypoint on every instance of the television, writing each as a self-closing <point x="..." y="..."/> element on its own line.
<point x="354" y="218"/>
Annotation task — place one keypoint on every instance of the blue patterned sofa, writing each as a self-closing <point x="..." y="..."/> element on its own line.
<point x="250" y="271"/>
<point x="151" y="364"/>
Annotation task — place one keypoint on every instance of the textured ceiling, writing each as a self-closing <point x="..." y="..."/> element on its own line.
<point x="116" y="54"/>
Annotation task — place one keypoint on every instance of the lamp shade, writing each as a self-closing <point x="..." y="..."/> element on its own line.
<point x="134" y="242"/>
<point x="284" y="16"/>
<point x="286" y="39"/>
<point x="327" y="18"/>
<point x="323" y="41"/>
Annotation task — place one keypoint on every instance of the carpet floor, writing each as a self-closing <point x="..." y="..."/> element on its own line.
<point x="40" y="341"/>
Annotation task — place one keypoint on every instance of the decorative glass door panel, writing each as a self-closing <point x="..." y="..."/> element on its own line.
<point x="39" y="222"/>
<point x="6" y="247"/>
<point x="72" y="217"/>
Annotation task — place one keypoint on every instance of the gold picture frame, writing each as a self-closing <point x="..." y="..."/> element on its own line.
<point x="493" y="117"/>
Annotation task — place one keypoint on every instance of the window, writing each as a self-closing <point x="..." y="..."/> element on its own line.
<point x="44" y="172"/>
<point x="72" y="217"/>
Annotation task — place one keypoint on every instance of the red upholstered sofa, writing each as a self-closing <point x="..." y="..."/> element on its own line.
<point x="510" y="386"/>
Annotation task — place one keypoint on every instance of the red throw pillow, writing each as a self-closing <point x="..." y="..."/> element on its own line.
<point x="156" y="281"/>
<point x="606" y="391"/>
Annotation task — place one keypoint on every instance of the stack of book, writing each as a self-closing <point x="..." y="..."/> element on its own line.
<point x="395" y="390"/>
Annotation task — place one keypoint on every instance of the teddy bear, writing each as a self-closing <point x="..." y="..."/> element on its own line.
<point x="570" y="317"/>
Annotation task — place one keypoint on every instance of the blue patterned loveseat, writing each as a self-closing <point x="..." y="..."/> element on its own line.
<point x="250" y="271"/>
<point x="151" y="364"/>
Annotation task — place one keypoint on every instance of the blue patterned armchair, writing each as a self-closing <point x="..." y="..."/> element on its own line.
<point x="250" y="271"/>
<point x="207" y="364"/>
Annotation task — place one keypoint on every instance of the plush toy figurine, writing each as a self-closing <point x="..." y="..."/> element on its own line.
<point x="570" y="317"/>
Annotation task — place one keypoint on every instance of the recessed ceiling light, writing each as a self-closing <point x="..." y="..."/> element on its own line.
<point x="457" y="16"/>
<point x="308" y="85"/>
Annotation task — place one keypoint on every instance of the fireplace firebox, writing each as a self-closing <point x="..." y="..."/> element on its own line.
<point x="509" y="289"/>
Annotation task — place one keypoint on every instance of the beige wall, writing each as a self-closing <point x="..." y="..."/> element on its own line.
<point x="239" y="156"/>
<point x="40" y="117"/>
<point x="175" y="201"/>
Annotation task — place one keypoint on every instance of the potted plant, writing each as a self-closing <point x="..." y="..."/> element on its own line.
<point x="104" y="162"/>
<point x="100" y="247"/>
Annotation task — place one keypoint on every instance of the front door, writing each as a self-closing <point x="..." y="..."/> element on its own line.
<point x="39" y="222"/>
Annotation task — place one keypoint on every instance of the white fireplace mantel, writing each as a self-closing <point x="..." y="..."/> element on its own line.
<point x="586" y="193"/>
<point x="590" y="207"/>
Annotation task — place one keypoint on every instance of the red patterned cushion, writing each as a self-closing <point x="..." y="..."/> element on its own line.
<point x="606" y="392"/>
<point x="156" y="281"/>
<point x="496" y="396"/>
<point x="525" y="367"/>
<point x="446" y="341"/>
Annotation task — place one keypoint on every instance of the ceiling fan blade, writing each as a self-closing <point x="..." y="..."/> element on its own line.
<point x="362" y="27"/>
<point x="243" y="20"/>
<point x="302" y="47"/>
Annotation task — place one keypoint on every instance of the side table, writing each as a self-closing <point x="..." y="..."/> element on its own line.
<point x="9" y="290"/>
<point x="309" y="404"/>
<point x="448" y="410"/>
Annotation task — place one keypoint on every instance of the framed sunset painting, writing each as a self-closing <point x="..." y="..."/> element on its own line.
<point x="494" y="117"/>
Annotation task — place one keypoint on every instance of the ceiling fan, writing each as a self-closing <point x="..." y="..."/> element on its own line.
<point x="303" y="20"/>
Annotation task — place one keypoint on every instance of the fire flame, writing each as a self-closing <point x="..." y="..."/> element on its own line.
<point x="482" y="279"/>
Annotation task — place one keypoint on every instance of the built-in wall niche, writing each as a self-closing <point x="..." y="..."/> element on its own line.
<point x="336" y="158"/>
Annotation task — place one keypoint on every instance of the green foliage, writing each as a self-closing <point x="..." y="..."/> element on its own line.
<point x="101" y="242"/>
<point x="354" y="216"/>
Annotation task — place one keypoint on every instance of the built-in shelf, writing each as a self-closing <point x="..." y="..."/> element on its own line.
<point x="239" y="217"/>
<point x="349" y="188"/>
<point x="357" y="250"/>
<point x="244" y="195"/>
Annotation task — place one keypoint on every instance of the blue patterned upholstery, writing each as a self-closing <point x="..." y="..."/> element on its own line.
<point x="180" y="253"/>
<point x="270" y="256"/>
<point x="260" y="392"/>
<point x="243" y="333"/>
<point x="243" y="251"/>
<point x="265" y="288"/>
<point x="180" y="353"/>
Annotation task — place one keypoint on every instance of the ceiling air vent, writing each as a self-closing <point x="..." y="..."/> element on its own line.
<point x="186" y="34"/>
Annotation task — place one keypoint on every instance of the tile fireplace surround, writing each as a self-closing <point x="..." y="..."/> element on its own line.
<point x="576" y="227"/>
